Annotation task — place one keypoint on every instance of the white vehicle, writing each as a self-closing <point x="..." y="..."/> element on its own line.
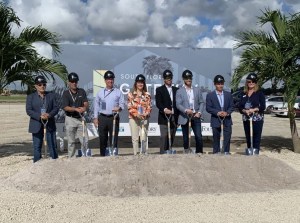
<point x="273" y="101"/>
<point x="283" y="110"/>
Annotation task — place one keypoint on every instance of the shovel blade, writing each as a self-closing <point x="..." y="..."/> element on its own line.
<point x="115" y="152"/>
<point x="170" y="151"/>
<point x="88" y="152"/>
<point x="108" y="151"/>
<point x="251" y="151"/>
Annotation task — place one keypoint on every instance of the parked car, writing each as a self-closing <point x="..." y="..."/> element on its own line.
<point x="297" y="111"/>
<point x="273" y="101"/>
<point x="283" y="110"/>
<point x="237" y="98"/>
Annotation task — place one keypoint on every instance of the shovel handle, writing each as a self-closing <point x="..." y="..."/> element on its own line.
<point x="44" y="122"/>
<point x="169" y="130"/>
<point x="251" y="131"/>
<point x="114" y="129"/>
<point x="190" y="126"/>
<point x="45" y="140"/>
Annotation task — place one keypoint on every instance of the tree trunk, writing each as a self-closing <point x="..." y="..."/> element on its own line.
<point x="294" y="131"/>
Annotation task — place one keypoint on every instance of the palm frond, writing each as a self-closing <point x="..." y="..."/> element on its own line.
<point x="40" y="34"/>
<point x="248" y="38"/>
<point x="277" y="20"/>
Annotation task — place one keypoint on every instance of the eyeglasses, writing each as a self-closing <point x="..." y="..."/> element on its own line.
<point x="74" y="82"/>
<point x="250" y="82"/>
<point x="40" y="85"/>
<point x="220" y="83"/>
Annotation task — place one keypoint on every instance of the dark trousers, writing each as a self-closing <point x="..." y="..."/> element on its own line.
<point x="257" y="130"/>
<point x="226" y="137"/>
<point x="38" y="139"/>
<point x="105" y="127"/>
<point x="196" y="126"/>
<point x="164" y="139"/>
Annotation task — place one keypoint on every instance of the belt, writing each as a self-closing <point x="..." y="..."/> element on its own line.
<point x="105" y="115"/>
<point x="73" y="116"/>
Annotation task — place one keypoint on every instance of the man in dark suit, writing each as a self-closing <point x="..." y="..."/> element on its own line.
<point x="190" y="103"/>
<point x="165" y="98"/>
<point x="219" y="104"/>
<point x="42" y="105"/>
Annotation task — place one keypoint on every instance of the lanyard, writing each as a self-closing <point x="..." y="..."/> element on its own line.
<point x="108" y="92"/>
<point x="74" y="99"/>
<point x="43" y="101"/>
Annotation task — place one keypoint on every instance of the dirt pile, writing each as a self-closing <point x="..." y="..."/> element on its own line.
<point x="156" y="175"/>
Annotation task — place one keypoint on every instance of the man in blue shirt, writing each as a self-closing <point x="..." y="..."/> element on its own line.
<point x="219" y="104"/>
<point x="108" y="101"/>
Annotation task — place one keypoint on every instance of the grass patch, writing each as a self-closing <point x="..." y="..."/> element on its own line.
<point x="17" y="98"/>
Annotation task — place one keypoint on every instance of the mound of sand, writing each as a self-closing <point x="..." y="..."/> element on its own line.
<point x="156" y="175"/>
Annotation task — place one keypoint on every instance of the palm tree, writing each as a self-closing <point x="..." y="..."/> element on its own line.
<point x="19" y="60"/>
<point x="156" y="65"/>
<point x="274" y="57"/>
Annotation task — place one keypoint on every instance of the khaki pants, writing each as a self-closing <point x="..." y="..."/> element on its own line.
<point x="73" y="131"/>
<point x="136" y="130"/>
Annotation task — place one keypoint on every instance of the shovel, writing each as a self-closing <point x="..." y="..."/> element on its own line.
<point x="142" y="136"/>
<point x="44" y="122"/>
<point x="84" y="151"/>
<point x="189" y="150"/>
<point x="113" y="151"/>
<point x="251" y="151"/>
<point x="222" y="134"/>
<point x="170" y="150"/>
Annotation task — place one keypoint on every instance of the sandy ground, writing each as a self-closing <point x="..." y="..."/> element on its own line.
<point x="180" y="188"/>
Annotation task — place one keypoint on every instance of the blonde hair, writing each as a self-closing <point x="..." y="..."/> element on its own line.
<point x="246" y="89"/>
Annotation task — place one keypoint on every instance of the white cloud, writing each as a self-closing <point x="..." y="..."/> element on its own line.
<point x="43" y="49"/>
<point x="186" y="21"/>
<point x="218" y="29"/>
<point x="147" y="23"/>
<point x="116" y="20"/>
<point x="161" y="4"/>
<point x="63" y="17"/>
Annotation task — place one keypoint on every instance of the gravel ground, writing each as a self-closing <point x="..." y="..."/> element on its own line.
<point x="31" y="193"/>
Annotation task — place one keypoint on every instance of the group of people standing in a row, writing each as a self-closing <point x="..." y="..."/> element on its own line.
<point x="179" y="105"/>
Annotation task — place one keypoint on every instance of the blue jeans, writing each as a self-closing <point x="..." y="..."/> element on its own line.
<point x="196" y="126"/>
<point x="38" y="139"/>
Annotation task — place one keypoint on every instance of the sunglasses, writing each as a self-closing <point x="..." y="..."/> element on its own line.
<point x="74" y="82"/>
<point x="250" y="82"/>
<point x="40" y="85"/>
<point x="219" y="83"/>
